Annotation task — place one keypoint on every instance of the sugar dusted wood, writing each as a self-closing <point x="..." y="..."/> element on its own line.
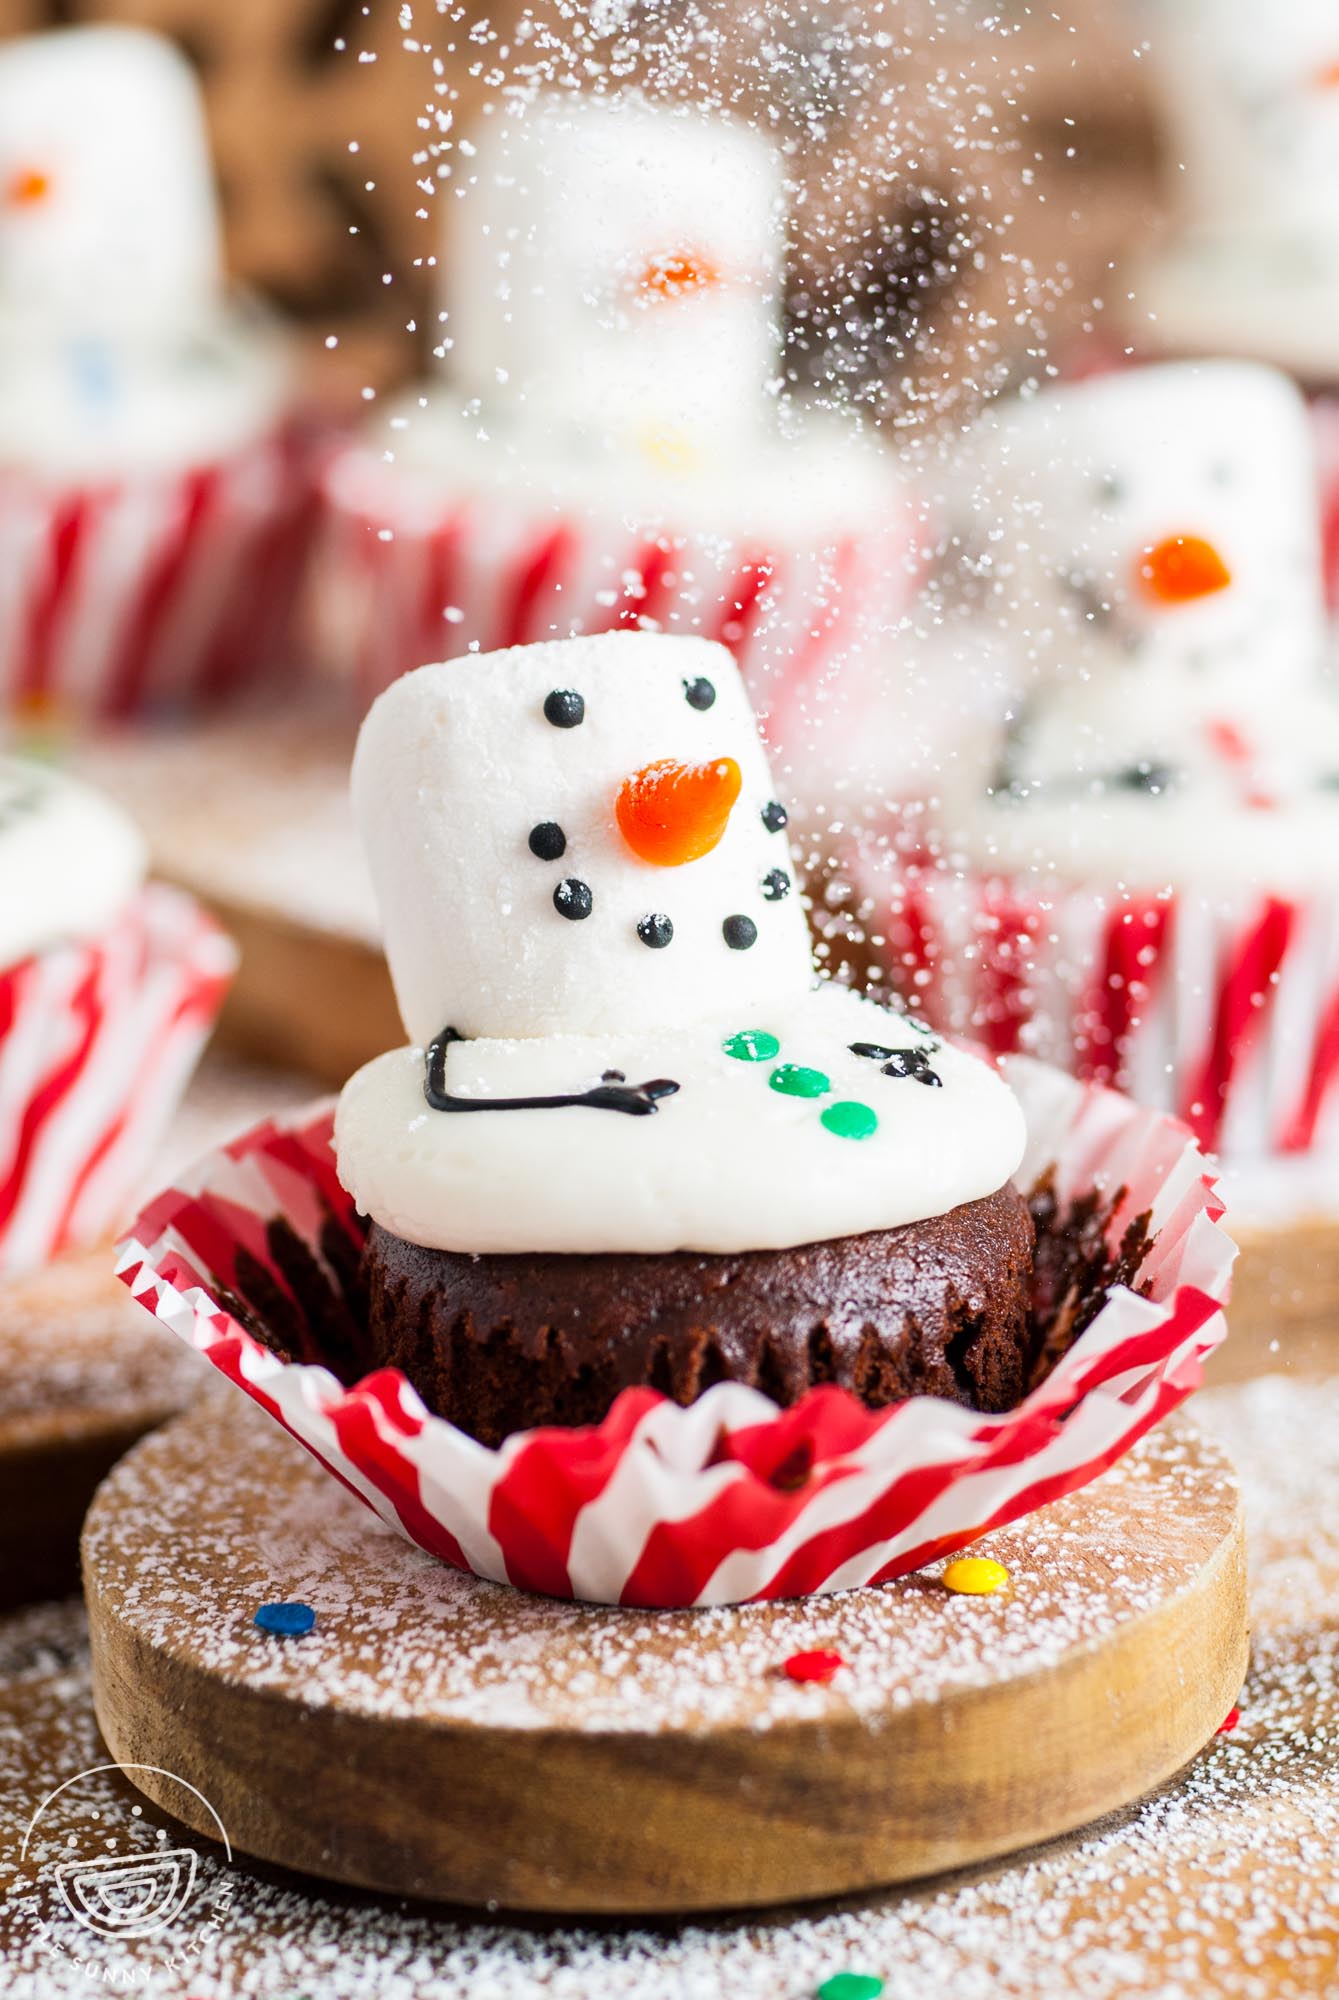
<point x="447" y="1738"/>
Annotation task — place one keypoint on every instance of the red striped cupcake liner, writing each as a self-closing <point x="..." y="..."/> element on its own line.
<point x="97" y="1042"/>
<point x="732" y="1499"/>
<point x="407" y="574"/>
<point x="158" y="591"/>
<point x="1221" y="1009"/>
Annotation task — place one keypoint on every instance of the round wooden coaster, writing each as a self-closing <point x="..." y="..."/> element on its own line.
<point x="439" y="1736"/>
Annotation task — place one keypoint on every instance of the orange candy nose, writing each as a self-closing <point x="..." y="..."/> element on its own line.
<point x="1182" y="568"/>
<point x="670" y="813"/>
<point x="674" y="277"/>
<point x="27" y="187"/>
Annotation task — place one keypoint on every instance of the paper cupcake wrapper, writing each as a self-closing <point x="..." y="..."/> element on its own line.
<point x="731" y="1499"/>
<point x="404" y="576"/>
<point x="162" y="590"/>
<point x="97" y="1041"/>
<point x="1223" y="1010"/>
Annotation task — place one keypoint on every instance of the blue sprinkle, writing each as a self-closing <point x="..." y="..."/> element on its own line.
<point x="288" y="1621"/>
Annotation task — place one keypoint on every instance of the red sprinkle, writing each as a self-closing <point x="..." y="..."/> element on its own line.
<point x="820" y="1666"/>
<point x="1230" y="1721"/>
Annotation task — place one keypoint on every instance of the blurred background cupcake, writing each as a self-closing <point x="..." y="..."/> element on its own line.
<point x="151" y="487"/>
<point x="611" y="444"/>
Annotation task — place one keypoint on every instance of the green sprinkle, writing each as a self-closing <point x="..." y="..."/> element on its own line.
<point x="793" y="1080"/>
<point x="752" y="1045"/>
<point x="851" y="1986"/>
<point x="850" y="1120"/>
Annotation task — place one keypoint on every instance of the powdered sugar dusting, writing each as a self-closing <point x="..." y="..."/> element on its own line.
<point x="1222" y="1884"/>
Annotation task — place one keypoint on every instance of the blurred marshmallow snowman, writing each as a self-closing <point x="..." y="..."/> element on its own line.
<point x="117" y="342"/>
<point x="1151" y="548"/>
<point x="1251" y="101"/>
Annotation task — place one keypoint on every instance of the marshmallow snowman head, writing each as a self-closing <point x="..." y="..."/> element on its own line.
<point x="579" y="837"/>
<point x="1254" y="112"/>
<point x="616" y="270"/>
<point x="1158" y="522"/>
<point x="108" y="220"/>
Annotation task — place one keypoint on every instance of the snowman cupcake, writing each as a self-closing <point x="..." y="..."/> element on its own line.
<point x="108" y="990"/>
<point x="1144" y="884"/>
<point x="631" y="1142"/>
<point x="150" y="503"/>
<point x="608" y="448"/>
<point x="1252" y="115"/>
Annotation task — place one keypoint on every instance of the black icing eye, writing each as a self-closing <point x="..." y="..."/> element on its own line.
<point x="655" y="930"/>
<point x="564" y="709"/>
<point x="775" y="885"/>
<point x="548" y="842"/>
<point x="1110" y="489"/>
<point x="739" y="932"/>
<point x="573" y="899"/>
<point x="775" y="816"/>
<point x="699" y="694"/>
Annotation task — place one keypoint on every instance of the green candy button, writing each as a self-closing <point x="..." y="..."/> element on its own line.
<point x="851" y="1986"/>
<point x="752" y="1045"/>
<point x="794" y="1080"/>
<point x="850" y="1121"/>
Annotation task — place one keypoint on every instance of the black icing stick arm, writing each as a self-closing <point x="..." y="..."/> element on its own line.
<point x="638" y="1100"/>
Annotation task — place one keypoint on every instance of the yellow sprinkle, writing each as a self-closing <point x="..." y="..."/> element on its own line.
<point x="975" y="1576"/>
<point x="668" y="448"/>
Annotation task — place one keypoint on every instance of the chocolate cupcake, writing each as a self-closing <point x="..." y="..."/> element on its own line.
<point x="634" y="1142"/>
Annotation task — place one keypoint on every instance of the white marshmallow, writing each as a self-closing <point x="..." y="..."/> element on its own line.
<point x="1253" y="109"/>
<point x="108" y="220"/>
<point x="1066" y="494"/>
<point x="456" y="764"/>
<point x="70" y="860"/>
<point x="554" y="314"/>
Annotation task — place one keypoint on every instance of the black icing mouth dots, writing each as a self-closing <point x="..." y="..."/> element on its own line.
<point x="573" y="899"/>
<point x="774" y="816"/>
<point x="699" y="694"/>
<point x="548" y="842"/>
<point x="637" y="1100"/>
<point x="740" y="933"/>
<point x="656" y="930"/>
<point x="845" y="1119"/>
<point x="775" y="884"/>
<point x="913" y="1063"/>
<point x="564" y="708"/>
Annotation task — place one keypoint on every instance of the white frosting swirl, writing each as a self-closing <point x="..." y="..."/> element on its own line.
<point x="729" y="1162"/>
<point x="69" y="860"/>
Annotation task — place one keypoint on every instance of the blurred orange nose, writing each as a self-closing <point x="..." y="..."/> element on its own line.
<point x="674" y="277"/>
<point x="26" y="187"/>
<point x="1181" y="569"/>
<point x="670" y="813"/>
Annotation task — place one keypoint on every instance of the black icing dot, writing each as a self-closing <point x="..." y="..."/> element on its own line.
<point x="699" y="693"/>
<point x="655" y="930"/>
<point x="573" y="899"/>
<point x="548" y="842"/>
<point x="774" y="816"/>
<point x="739" y="932"/>
<point x="564" y="709"/>
<point x="775" y="885"/>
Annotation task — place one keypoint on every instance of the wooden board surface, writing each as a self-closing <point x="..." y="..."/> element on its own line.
<point x="448" y="1738"/>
